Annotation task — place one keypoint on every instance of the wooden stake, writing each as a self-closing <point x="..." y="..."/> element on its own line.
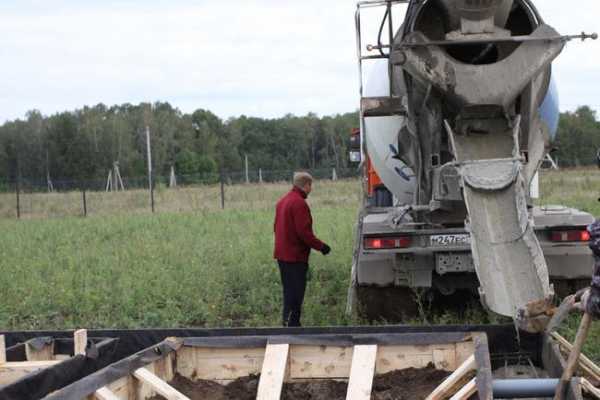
<point x="454" y="381"/>
<point x="80" y="341"/>
<point x="573" y="360"/>
<point x="273" y="372"/>
<point x="2" y="350"/>
<point x="158" y="385"/>
<point x="362" y="372"/>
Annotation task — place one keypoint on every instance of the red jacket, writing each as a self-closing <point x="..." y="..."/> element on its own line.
<point x="293" y="228"/>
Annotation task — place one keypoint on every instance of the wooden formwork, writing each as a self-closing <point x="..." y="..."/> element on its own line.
<point x="355" y="359"/>
<point x="39" y="354"/>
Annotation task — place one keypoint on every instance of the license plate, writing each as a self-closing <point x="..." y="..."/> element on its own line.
<point x="450" y="240"/>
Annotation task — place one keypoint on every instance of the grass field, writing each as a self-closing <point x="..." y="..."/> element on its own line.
<point x="195" y="265"/>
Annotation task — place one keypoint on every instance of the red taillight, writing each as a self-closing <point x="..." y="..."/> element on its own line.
<point x="570" y="236"/>
<point x="386" y="243"/>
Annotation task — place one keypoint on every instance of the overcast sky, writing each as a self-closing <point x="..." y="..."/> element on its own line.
<point x="262" y="58"/>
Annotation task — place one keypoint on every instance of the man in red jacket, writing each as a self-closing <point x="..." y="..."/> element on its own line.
<point x="294" y="238"/>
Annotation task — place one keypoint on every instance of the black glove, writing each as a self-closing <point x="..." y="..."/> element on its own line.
<point x="594" y="230"/>
<point x="591" y="302"/>
<point x="325" y="250"/>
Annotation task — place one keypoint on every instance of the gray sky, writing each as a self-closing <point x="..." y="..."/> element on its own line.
<point x="261" y="58"/>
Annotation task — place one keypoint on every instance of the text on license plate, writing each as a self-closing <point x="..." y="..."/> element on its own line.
<point x="450" y="240"/>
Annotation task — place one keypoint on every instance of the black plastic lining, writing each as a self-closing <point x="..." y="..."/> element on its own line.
<point x="502" y="338"/>
<point x="38" y="384"/>
<point x="18" y="352"/>
<point x="89" y="384"/>
<point x="417" y="339"/>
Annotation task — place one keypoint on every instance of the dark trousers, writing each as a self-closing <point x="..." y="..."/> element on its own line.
<point x="293" y="280"/>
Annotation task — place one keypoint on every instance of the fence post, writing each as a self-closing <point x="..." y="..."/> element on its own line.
<point x="222" y="190"/>
<point x="149" y="157"/>
<point x="18" y="190"/>
<point x="84" y="203"/>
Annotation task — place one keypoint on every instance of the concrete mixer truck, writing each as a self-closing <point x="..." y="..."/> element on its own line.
<point x="457" y="112"/>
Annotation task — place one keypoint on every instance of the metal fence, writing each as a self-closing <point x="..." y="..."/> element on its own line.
<point x="30" y="198"/>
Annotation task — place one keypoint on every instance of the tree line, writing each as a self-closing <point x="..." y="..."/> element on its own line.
<point x="83" y="144"/>
<point x="577" y="142"/>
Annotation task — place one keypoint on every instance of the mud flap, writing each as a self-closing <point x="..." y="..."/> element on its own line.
<point x="508" y="258"/>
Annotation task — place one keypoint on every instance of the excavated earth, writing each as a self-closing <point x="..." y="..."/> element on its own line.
<point x="411" y="383"/>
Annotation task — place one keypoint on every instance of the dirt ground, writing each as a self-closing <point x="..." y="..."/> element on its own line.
<point x="413" y="384"/>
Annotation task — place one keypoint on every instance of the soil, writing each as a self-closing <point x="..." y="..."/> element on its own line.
<point x="411" y="383"/>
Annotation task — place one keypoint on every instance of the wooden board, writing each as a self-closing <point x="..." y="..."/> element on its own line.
<point x="12" y="371"/>
<point x="44" y="354"/>
<point x="314" y="362"/>
<point x="362" y="372"/>
<point x="105" y="394"/>
<point x="466" y="391"/>
<point x="310" y="362"/>
<point x="220" y="365"/>
<point x="130" y="387"/>
<point x="79" y="341"/>
<point x="455" y="381"/>
<point x="587" y="365"/>
<point x="274" y="369"/>
<point x="589" y="388"/>
<point x="158" y="385"/>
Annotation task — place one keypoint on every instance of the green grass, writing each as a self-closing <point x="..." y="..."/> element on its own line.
<point x="193" y="264"/>
<point x="200" y="269"/>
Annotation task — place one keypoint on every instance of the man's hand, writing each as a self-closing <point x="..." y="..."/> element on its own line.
<point x="590" y="302"/>
<point x="325" y="250"/>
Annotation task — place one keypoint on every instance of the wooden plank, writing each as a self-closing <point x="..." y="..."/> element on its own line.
<point x="586" y="364"/>
<point x="444" y="356"/>
<point x="466" y="391"/>
<point x="2" y="349"/>
<point x="11" y="371"/>
<point x="44" y="354"/>
<point x="274" y="369"/>
<point x="121" y="387"/>
<point x="314" y="362"/>
<point x="220" y="365"/>
<point x="589" y="388"/>
<point x="105" y="393"/>
<point x="158" y="385"/>
<point x="80" y="341"/>
<point x="362" y="372"/>
<point x="464" y="350"/>
<point x="445" y="359"/>
<point x="455" y="381"/>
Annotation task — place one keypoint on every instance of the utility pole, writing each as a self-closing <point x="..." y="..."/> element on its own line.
<point x="149" y="167"/>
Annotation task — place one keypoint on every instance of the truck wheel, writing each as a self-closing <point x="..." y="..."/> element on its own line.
<point x="386" y="304"/>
